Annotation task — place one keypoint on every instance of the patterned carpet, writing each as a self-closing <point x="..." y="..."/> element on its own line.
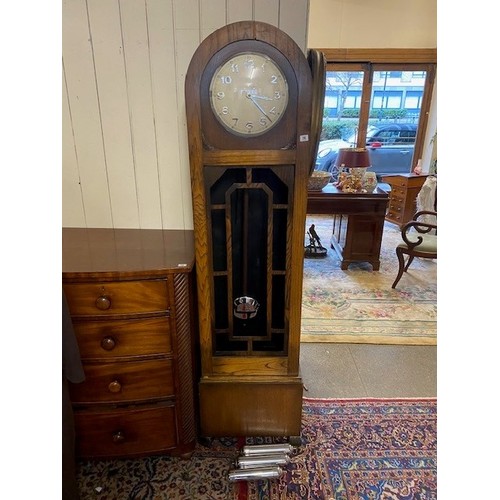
<point x="356" y="449"/>
<point x="358" y="305"/>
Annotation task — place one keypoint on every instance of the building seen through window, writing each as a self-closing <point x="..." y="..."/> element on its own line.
<point x="383" y="107"/>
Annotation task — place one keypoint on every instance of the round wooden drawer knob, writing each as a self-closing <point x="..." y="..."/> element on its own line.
<point x="118" y="437"/>
<point x="103" y="303"/>
<point x="115" y="386"/>
<point x="108" y="343"/>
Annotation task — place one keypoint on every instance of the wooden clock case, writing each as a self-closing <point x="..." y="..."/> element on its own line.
<point x="249" y="207"/>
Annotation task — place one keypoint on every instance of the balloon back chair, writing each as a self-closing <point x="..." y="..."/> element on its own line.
<point x="419" y="240"/>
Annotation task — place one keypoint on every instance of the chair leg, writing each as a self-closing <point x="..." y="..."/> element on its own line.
<point x="401" y="269"/>
<point x="410" y="260"/>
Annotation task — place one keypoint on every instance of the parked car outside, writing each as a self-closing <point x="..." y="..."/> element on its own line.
<point x="390" y="146"/>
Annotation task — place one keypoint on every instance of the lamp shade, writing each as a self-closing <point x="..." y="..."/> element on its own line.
<point x="353" y="158"/>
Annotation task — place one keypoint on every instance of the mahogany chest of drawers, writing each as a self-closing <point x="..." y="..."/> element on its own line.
<point x="403" y="197"/>
<point x="130" y="295"/>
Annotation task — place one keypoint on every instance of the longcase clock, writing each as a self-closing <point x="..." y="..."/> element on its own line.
<point x="248" y="100"/>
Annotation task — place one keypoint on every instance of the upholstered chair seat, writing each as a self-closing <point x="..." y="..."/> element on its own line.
<point x="419" y="239"/>
<point x="428" y="244"/>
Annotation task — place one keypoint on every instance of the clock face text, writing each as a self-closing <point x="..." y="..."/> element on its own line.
<point x="248" y="94"/>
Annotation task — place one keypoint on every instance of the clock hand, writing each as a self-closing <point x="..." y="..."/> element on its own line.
<point x="262" y="97"/>
<point x="250" y="96"/>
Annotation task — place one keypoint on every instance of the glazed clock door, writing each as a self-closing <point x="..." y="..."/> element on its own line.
<point x="248" y="101"/>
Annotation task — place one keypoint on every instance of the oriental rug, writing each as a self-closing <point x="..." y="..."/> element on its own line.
<point x="358" y="305"/>
<point x="352" y="449"/>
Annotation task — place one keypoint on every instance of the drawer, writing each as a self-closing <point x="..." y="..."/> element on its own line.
<point x="133" y="431"/>
<point x="395" y="181"/>
<point x="396" y="205"/>
<point x="117" y="297"/>
<point x="394" y="215"/>
<point x="396" y="209"/>
<point x="114" y="338"/>
<point x="124" y="382"/>
<point x="399" y="194"/>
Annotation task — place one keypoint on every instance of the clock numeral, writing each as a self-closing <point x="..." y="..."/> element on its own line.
<point x="249" y="126"/>
<point x="272" y="111"/>
<point x="277" y="95"/>
<point x="224" y="110"/>
<point x="220" y="95"/>
<point x="226" y="79"/>
<point x="235" y="68"/>
<point x="274" y="79"/>
<point x="263" y="122"/>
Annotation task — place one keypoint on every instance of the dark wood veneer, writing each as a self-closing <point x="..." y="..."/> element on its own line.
<point x="403" y="197"/>
<point x="130" y="294"/>
<point x="358" y="222"/>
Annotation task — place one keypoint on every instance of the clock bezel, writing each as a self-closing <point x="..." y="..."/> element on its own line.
<point x="217" y="136"/>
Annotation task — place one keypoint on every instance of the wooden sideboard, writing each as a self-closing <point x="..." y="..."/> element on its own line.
<point x="403" y="197"/>
<point x="358" y="222"/>
<point x="130" y="296"/>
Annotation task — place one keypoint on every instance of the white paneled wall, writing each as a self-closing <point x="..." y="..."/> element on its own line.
<point x="125" y="156"/>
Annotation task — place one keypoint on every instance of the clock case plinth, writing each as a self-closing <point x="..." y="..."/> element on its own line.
<point x="249" y="206"/>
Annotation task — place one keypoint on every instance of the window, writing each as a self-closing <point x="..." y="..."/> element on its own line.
<point x="378" y="99"/>
<point x="387" y="99"/>
<point x="413" y="100"/>
<point x="353" y="100"/>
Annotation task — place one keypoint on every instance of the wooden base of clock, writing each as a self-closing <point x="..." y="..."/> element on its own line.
<point x="256" y="407"/>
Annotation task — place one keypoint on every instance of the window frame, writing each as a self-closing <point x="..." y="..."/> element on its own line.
<point x="369" y="61"/>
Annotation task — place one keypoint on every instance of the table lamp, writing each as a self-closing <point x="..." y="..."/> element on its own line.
<point x="353" y="159"/>
<point x="356" y="160"/>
